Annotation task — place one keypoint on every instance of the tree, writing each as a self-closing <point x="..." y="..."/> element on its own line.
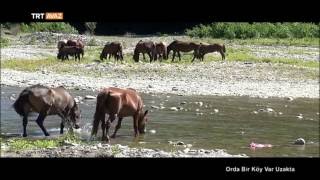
<point x="90" y="26"/>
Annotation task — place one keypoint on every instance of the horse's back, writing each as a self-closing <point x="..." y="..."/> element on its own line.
<point x="123" y="101"/>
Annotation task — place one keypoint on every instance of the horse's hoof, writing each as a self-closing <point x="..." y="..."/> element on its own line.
<point x="47" y="134"/>
<point x="24" y="135"/>
<point x="113" y="136"/>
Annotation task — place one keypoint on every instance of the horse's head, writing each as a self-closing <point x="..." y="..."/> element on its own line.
<point x="142" y="121"/>
<point x="75" y="116"/>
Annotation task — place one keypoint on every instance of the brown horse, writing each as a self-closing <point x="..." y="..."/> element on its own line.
<point x="208" y="48"/>
<point x="47" y="101"/>
<point x="65" y="51"/>
<point x="113" y="49"/>
<point x="176" y="46"/>
<point x="119" y="103"/>
<point x="143" y="47"/>
<point x="161" y="51"/>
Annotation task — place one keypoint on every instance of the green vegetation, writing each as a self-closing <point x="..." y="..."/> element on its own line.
<point x="4" y="42"/>
<point x="255" y="30"/>
<point x="24" y="143"/>
<point x="57" y="27"/>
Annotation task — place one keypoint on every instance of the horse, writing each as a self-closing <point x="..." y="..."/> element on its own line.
<point x="65" y="51"/>
<point x="47" y="101"/>
<point x="143" y="47"/>
<point x="119" y="103"/>
<point x="161" y="51"/>
<point x="208" y="48"/>
<point x="62" y="43"/>
<point x="114" y="49"/>
<point x="176" y="46"/>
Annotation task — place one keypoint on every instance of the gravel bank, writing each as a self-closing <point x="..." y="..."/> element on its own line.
<point x="118" y="151"/>
<point x="216" y="78"/>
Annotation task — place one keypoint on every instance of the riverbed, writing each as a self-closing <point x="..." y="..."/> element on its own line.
<point x="203" y="121"/>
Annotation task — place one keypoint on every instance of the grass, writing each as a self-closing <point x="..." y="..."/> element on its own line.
<point x="18" y="144"/>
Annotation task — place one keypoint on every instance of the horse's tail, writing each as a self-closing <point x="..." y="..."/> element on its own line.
<point x="18" y="105"/>
<point x="101" y="100"/>
<point x="224" y="48"/>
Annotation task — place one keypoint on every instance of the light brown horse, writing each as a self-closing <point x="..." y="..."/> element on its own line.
<point x="176" y="46"/>
<point x="161" y="51"/>
<point x="143" y="47"/>
<point x="113" y="49"/>
<point x="119" y="103"/>
<point x="47" y="101"/>
<point x="208" y="48"/>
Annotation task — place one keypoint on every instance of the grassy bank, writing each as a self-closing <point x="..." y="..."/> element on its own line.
<point x="18" y="144"/>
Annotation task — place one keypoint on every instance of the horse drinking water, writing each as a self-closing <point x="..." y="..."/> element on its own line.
<point x="119" y="103"/>
<point x="47" y="101"/>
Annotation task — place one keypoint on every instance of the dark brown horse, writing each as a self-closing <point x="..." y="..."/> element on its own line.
<point x="176" y="46"/>
<point x="112" y="49"/>
<point x="119" y="103"/>
<point x="47" y="101"/>
<point x="143" y="47"/>
<point x="65" y="51"/>
<point x="208" y="48"/>
<point x="62" y="43"/>
<point x="161" y="51"/>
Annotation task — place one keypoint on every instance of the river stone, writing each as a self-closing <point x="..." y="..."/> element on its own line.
<point x="269" y="110"/>
<point x="174" y="109"/>
<point x="180" y="143"/>
<point x="184" y="102"/>
<point x="152" y="131"/>
<point x="155" y="107"/>
<point x="216" y="110"/>
<point x="300" y="141"/>
<point x="89" y="97"/>
<point x="289" y="98"/>
<point x="174" y="89"/>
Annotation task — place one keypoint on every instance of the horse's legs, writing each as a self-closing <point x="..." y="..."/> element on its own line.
<point x="179" y="55"/>
<point x="144" y="57"/>
<point x="222" y="55"/>
<point x="135" y="125"/>
<point x="25" y="122"/>
<point x="40" y="120"/>
<point x="150" y="56"/>
<point x="103" y="128"/>
<point x="108" y="125"/>
<point x="117" y="127"/>
<point x="173" y="55"/>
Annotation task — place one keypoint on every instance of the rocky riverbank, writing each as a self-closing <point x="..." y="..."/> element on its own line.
<point x="214" y="78"/>
<point x="117" y="151"/>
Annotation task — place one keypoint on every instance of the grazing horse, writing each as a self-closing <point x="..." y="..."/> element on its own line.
<point x="208" y="48"/>
<point x="65" y="51"/>
<point x="113" y="49"/>
<point x="161" y="51"/>
<point x="176" y="46"/>
<point x="143" y="47"/>
<point x="119" y="103"/>
<point x="47" y="101"/>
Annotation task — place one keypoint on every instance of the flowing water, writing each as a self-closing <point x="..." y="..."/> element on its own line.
<point x="206" y="122"/>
